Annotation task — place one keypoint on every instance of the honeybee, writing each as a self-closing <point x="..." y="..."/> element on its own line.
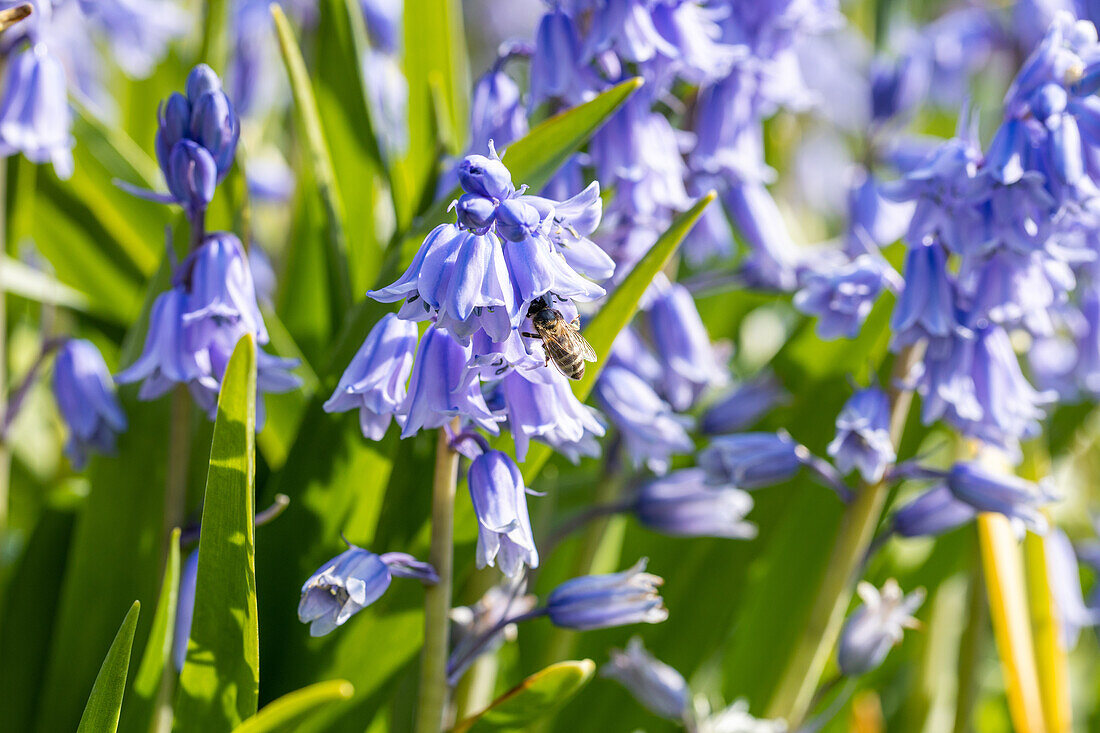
<point x="561" y="340"/>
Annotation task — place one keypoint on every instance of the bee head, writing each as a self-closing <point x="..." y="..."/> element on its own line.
<point x="545" y="317"/>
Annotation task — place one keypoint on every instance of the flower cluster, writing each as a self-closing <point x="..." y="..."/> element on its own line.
<point x="195" y="325"/>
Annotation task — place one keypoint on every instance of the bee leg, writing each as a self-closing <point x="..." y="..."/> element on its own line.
<point x="576" y="323"/>
<point x="529" y="335"/>
<point x="547" y="361"/>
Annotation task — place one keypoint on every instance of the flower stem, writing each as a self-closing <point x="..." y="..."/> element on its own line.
<point x="1004" y="581"/>
<point x="437" y="598"/>
<point x="179" y="459"/>
<point x="806" y="663"/>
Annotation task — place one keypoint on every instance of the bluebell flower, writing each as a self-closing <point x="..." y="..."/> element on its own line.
<point x="34" y="110"/>
<point x="437" y="392"/>
<point x="496" y="110"/>
<point x="684" y="504"/>
<point x="842" y="297"/>
<point x="863" y="435"/>
<point x="974" y="382"/>
<point x="773" y="256"/>
<point x="86" y="400"/>
<point x="932" y="513"/>
<point x="166" y="359"/>
<point x="1086" y="359"/>
<point x="689" y="362"/>
<point x="690" y="28"/>
<point x="500" y="502"/>
<point x="626" y="27"/>
<point x="387" y="95"/>
<point x="711" y="238"/>
<point x="558" y="73"/>
<point x="655" y="685"/>
<point x="385" y="23"/>
<point x="350" y="582"/>
<point x="603" y="601"/>
<point x="1065" y="586"/>
<point x="744" y="406"/>
<point x="219" y="282"/>
<point x="874" y="221"/>
<point x="572" y="220"/>
<point x="375" y="380"/>
<point x="988" y="491"/>
<point x="926" y="306"/>
<point x="139" y="30"/>
<point x="540" y="404"/>
<point x="876" y="626"/>
<point x="752" y="460"/>
<point x="651" y="431"/>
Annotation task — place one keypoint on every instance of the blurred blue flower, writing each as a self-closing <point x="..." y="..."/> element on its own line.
<point x="496" y="110"/>
<point x="655" y="685"/>
<point x="139" y="30"/>
<point x="558" y="74"/>
<point x="500" y="502"/>
<point x="1065" y="585"/>
<point x="988" y="491"/>
<point x="375" y="380"/>
<point x="651" y="431"/>
<point x="685" y="504"/>
<point x="926" y="305"/>
<point x="973" y="381"/>
<point x="34" y="110"/>
<point x="752" y="460"/>
<point x="689" y="362"/>
<point x="86" y="400"/>
<point x="185" y="608"/>
<point x="932" y="513"/>
<point x="744" y="406"/>
<point x="773" y="256"/>
<point x="350" y="582"/>
<point x="842" y="297"/>
<point x="603" y="601"/>
<point x="863" y="435"/>
<point x="876" y="626"/>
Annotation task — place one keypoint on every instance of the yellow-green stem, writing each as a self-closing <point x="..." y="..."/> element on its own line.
<point x="969" y="653"/>
<point x="1050" y="652"/>
<point x="814" y="646"/>
<point x="432" y="703"/>
<point x="179" y="459"/>
<point x="1004" y="582"/>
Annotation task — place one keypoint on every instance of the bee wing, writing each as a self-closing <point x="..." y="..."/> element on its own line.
<point x="570" y="340"/>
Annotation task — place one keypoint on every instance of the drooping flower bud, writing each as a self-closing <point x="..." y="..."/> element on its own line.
<point x="658" y="687"/>
<point x="603" y="601"/>
<point x="486" y="177"/>
<point x="86" y="400"/>
<point x="500" y="502"/>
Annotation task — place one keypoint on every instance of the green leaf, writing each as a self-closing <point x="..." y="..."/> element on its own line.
<point x="21" y="280"/>
<point x="216" y="35"/>
<point x="319" y="157"/>
<point x="436" y="69"/>
<point x="533" y="699"/>
<point x="347" y="125"/>
<point x="286" y="713"/>
<point x="157" y="656"/>
<point x="618" y="311"/>
<point x="105" y="702"/>
<point x="27" y="619"/>
<point x="219" y="683"/>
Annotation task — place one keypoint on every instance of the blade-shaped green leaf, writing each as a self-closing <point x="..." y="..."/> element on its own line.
<point x="27" y="282"/>
<point x="617" y="312"/>
<point x="105" y="702"/>
<point x="436" y="69"/>
<point x="346" y="121"/>
<point x="158" y="647"/>
<point x="286" y="713"/>
<point x="27" y="619"/>
<point x="533" y="699"/>
<point x="219" y="683"/>
<point x="319" y="157"/>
